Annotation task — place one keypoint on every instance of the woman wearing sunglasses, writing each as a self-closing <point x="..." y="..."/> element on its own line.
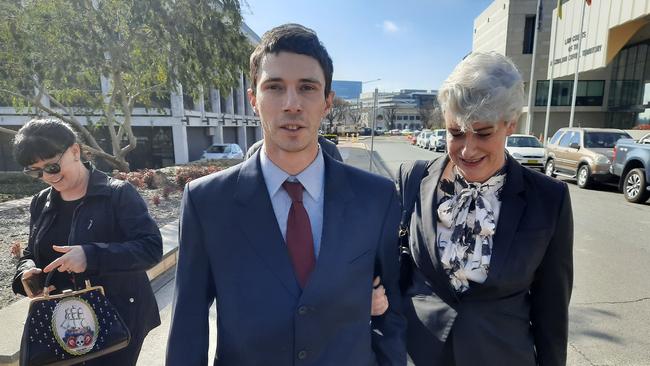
<point x="87" y="225"/>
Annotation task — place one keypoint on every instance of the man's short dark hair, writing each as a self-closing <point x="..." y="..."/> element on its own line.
<point x="42" y="139"/>
<point x="293" y="38"/>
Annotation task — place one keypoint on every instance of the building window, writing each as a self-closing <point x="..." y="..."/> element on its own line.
<point x="529" y="34"/>
<point x="590" y="93"/>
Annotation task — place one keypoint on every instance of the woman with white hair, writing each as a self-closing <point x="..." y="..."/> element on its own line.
<point x="490" y="241"/>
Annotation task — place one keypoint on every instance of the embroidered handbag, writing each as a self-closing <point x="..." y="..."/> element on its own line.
<point x="71" y="327"/>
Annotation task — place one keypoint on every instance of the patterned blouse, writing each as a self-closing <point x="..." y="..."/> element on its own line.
<point x="467" y="219"/>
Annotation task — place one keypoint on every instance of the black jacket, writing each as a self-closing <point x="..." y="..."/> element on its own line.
<point x="519" y="316"/>
<point x="120" y="239"/>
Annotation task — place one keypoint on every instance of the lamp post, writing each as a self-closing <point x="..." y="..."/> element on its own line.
<point x="374" y="123"/>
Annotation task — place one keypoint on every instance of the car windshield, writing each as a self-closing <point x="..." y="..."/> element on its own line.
<point x="603" y="139"/>
<point x="218" y="149"/>
<point x="523" y="141"/>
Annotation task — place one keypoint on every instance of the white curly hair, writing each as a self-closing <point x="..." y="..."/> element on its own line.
<point x="485" y="87"/>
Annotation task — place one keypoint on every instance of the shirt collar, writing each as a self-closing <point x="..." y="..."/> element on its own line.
<point x="311" y="177"/>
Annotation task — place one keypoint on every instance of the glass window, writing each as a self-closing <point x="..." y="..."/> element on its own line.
<point x="590" y="93"/>
<point x="523" y="141"/>
<point x="575" y="138"/>
<point x="529" y="34"/>
<point x="219" y="149"/>
<point x="566" y="138"/>
<point x="603" y="139"/>
<point x="556" y="137"/>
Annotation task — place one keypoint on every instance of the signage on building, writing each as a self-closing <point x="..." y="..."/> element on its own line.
<point x="608" y="26"/>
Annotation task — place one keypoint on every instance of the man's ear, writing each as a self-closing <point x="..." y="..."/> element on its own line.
<point x="329" y="101"/>
<point x="252" y="99"/>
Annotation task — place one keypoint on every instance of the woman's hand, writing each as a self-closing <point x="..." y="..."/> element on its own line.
<point x="73" y="259"/>
<point x="33" y="292"/>
<point x="379" y="299"/>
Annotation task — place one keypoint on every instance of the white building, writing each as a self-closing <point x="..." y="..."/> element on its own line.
<point x="614" y="63"/>
<point x="406" y="105"/>
<point x="175" y="133"/>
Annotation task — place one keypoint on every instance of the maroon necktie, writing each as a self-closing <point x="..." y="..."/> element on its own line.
<point x="300" y="242"/>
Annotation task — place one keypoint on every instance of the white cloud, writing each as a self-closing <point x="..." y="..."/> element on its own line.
<point x="390" y="27"/>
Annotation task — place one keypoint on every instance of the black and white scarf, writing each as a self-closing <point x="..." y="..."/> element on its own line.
<point x="466" y="224"/>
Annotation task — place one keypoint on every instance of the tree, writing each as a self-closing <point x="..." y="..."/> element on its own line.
<point x="390" y="113"/>
<point x="437" y="119"/>
<point x="337" y="111"/>
<point x="425" y="112"/>
<point x="54" y="55"/>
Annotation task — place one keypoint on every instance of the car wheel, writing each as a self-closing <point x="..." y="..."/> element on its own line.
<point x="584" y="176"/>
<point x="634" y="187"/>
<point x="550" y="168"/>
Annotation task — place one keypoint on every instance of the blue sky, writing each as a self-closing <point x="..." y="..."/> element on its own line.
<point x="409" y="44"/>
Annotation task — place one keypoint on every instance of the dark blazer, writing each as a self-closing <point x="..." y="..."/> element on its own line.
<point x="519" y="316"/>
<point x="328" y="147"/>
<point x="232" y="251"/>
<point x="121" y="242"/>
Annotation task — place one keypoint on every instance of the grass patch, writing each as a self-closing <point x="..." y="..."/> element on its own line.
<point x="17" y="185"/>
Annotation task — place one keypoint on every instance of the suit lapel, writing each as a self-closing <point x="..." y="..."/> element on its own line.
<point x="429" y="222"/>
<point x="338" y="195"/>
<point x="512" y="208"/>
<point x="265" y="237"/>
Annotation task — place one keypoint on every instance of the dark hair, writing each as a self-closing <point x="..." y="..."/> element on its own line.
<point x="42" y="139"/>
<point x="293" y="38"/>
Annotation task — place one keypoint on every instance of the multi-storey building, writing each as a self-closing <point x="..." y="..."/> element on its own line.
<point x="614" y="71"/>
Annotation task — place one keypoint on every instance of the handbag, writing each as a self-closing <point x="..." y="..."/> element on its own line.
<point x="71" y="327"/>
<point x="409" y="188"/>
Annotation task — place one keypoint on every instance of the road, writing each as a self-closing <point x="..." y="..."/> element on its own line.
<point x="610" y="306"/>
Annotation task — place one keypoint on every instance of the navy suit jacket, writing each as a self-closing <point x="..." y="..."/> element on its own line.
<point x="519" y="315"/>
<point x="232" y="251"/>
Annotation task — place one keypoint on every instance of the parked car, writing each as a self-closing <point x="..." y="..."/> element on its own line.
<point x="394" y="132"/>
<point x="423" y="139"/>
<point x="379" y="131"/>
<point x="527" y="150"/>
<point x="365" y="131"/>
<point x="406" y="132"/>
<point x="222" y="151"/>
<point x="631" y="163"/>
<point x="438" y="140"/>
<point x="583" y="153"/>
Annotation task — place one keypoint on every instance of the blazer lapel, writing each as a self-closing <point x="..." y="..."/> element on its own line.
<point x="513" y="204"/>
<point x="266" y="239"/>
<point x="428" y="225"/>
<point x="338" y="195"/>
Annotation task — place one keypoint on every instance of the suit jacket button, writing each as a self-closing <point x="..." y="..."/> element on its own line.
<point x="131" y="299"/>
<point x="302" y="355"/>
<point x="303" y="310"/>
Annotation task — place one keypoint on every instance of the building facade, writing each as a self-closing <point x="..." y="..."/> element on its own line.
<point x="399" y="110"/>
<point x="175" y="131"/>
<point x="613" y="70"/>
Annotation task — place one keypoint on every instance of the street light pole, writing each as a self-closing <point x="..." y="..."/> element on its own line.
<point x="372" y="130"/>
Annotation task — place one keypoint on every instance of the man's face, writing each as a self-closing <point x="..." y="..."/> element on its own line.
<point x="480" y="152"/>
<point x="290" y="100"/>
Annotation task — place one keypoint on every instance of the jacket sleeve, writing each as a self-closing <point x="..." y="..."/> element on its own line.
<point x="141" y="249"/>
<point x="551" y="291"/>
<point x="389" y="329"/>
<point x="27" y="260"/>
<point x="194" y="293"/>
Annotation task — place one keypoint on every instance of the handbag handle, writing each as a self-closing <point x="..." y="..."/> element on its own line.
<point x="48" y="280"/>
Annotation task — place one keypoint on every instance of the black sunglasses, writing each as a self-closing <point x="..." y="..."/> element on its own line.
<point x="49" y="168"/>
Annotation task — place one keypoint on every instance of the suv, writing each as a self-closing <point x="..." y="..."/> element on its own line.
<point x="583" y="153"/>
<point x="438" y="140"/>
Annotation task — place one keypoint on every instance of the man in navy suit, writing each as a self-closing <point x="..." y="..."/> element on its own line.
<point x="287" y="243"/>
